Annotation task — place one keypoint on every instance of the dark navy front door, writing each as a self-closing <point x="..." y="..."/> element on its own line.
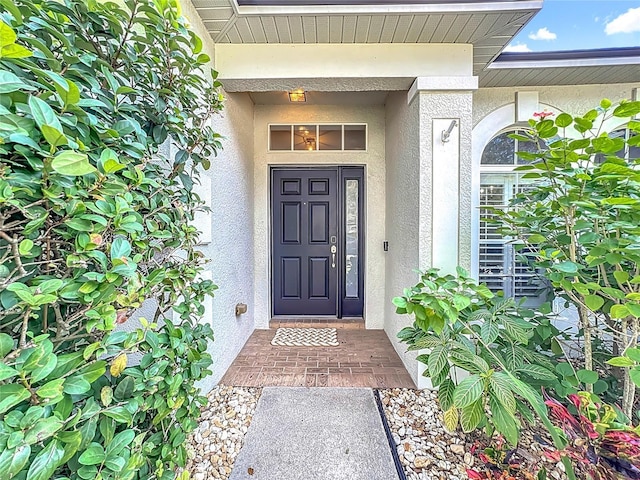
<point x="305" y="241"/>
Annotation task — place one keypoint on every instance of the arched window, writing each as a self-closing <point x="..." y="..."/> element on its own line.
<point x="629" y="151"/>
<point x="501" y="267"/>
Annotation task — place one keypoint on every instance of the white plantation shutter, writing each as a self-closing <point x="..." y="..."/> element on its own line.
<point x="501" y="267"/>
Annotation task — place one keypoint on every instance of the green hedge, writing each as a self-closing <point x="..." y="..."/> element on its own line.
<point x="94" y="222"/>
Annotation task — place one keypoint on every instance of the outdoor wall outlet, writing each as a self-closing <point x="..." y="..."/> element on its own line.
<point x="241" y="308"/>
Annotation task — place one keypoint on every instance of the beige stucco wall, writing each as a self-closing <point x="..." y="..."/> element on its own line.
<point x="575" y="99"/>
<point x="403" y="220"/>
<point x="373" y="160"/>
<point x="227" y="187"/>
<point x="494" y="110"/>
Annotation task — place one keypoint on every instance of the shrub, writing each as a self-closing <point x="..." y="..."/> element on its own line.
<point x="465" y="327"/>
<point x="580" y="219"/>
<point x="94" y="222"/>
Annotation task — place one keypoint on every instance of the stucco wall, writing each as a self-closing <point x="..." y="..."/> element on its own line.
<point x="374" y="162"/>
<point x="230" y="220"/>
<point x="403" y="221"/>
<point x="571" y="99"/>
<point x="227" y="188"/>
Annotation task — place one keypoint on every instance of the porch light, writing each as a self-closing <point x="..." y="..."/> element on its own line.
<point x="298" y="96"/>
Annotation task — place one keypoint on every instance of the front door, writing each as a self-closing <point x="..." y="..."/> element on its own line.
<point x="316" y="257"/>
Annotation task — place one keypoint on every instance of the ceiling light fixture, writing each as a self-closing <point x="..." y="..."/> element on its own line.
<point x="298" y="96"/>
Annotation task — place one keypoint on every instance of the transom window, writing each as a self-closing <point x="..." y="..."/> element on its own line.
<point x="318" y="137"/>
<point x="501" y="267"/>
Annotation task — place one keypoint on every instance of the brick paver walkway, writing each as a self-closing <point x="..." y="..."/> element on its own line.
<point x="364" y="358"/>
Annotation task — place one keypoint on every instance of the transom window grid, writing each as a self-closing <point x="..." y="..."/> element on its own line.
<point x="318" y="137"/>
<point x="501" y="266"/>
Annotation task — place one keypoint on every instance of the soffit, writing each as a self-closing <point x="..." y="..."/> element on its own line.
<point x="583" y="67"/>
<point x="488" y="25"/>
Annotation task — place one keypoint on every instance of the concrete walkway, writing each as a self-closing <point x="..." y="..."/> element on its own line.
<point x="315" y="434"/>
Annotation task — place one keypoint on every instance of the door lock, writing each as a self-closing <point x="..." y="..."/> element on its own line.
<point x="333" y="239"/>
<point x="334" y="249"/>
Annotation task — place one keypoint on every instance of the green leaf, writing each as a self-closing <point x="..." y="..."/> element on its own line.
<point x="468" y="391"/>
<point x="564" y="120"/>
<point x="69" y="95"/>
<point x="461" y="301"/>
<point x="445" y="394"/>
<point x="537" y="371"/>
<point x="633" y="354"/>
<point x="43" y="114"/>
<point x="125" y="388"/>
<point x="43" y="429"/>
<point x="7" y="35"/>
<point x="621" y="276"/>
<point x="51" y="389"/>
<point x="489" y="331"/>
<point x="119" y="414"/>
<point x="6" y="344"/>
<point x="503" y="420"/>
<point x="10" y="82"/>
<point x="634" y="373"/>
<point x="471" y="416"/>
<point x="14" y="51"/>
<point x="437" y="360"/>
<point x="12" y="461"/>
<point x="621" y="362"/>
<point x="567" y="267"/>
<point x="46" y="461"/>
<point x="120" y="248"/>
<point x="619" y="311"/>
<point x="7" y="372"/>
<point x="11" y="395"/>
<point x="76" y="385"/>
<point x="400" y="302"/>
<point x="72" y="163"/>
<point x="499" y="385"/>
<point x="587" y="376"/>
<point x="53" y="136"/>
<point x="593" y="302"/>
<point x="627" y="109"/>
<point x="93" y="455"/>
<point x="119" y="442"/>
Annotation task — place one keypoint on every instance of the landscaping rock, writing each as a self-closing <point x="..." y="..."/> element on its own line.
<point x="214" y="445"/>
<point x="428" y="452"/>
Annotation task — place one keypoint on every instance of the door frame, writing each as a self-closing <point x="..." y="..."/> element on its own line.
<point x="346" y="306"/>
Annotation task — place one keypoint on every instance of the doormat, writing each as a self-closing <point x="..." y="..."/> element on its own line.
<point x="306" y="337"/>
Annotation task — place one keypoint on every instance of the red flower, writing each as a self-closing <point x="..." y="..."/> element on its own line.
<point x="542" y="115"/>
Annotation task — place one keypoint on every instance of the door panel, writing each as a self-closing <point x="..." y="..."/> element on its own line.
<point x="304" y="209"/>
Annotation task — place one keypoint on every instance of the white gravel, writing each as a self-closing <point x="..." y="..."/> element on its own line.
<point x="214" y="445"/>
<point x="428" y="452"/>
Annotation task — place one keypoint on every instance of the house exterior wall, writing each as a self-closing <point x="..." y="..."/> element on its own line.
<point x="495" y="109"/>
<point x="429" y="185"/>
<point x="403" y="220"/>
<point x="227" y="187"/>
<point x="374" y="161"/>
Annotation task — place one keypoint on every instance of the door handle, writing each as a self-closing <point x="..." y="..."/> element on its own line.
<point x="334" y="249"/>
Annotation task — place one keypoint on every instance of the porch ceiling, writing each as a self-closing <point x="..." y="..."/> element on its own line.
<point x="488" y="25"/>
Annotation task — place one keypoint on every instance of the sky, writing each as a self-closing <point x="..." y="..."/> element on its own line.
<point x="578" y="24"/>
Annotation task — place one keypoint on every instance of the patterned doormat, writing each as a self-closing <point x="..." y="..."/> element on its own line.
<point x="306" y="337"/>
